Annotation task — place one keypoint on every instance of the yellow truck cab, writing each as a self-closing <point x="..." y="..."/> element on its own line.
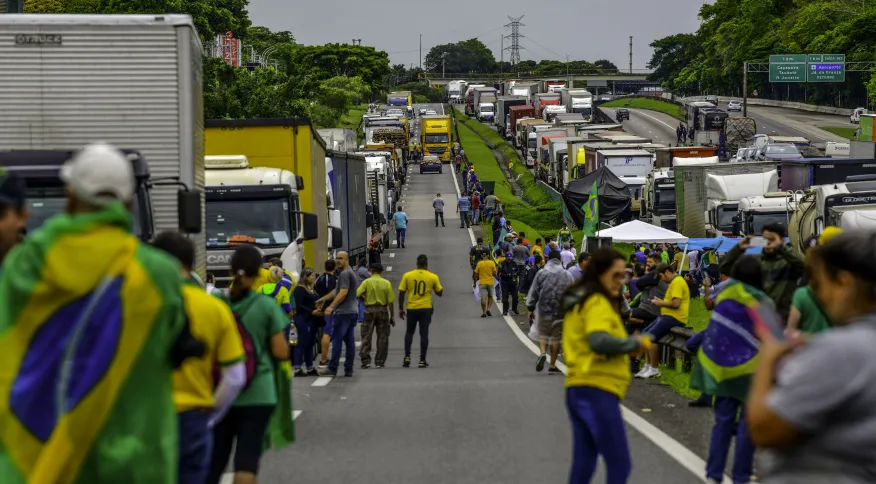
<point x="437" y="136"/>
<point x="254" y="205"/>
<point x="290" y="144"/>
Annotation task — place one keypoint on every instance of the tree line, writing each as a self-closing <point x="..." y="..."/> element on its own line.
<point x="319" y="82"/>
<point x="711" y="60"/>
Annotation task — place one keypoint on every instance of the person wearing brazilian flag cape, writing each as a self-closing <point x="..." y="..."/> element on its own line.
<point x="91" y="325"/>
<point x="725" y="364"/>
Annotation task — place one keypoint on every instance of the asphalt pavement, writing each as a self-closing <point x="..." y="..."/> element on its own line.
<point x="479" y="414"/>
<point x="659" y="127"/>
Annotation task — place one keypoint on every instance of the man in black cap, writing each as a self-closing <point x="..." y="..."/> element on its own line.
<point x="13" y="212"/>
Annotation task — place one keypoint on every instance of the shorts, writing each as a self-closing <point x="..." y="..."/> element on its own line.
<point x="329" y="327"/>
<point x="661" y="327"/>
<point x="487" y="290"/>
<point x="549" y="331"/>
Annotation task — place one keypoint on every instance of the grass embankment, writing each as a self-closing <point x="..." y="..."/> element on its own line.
<point x="848" y="133"/>
<point x="518" y="213"/>
<point x="352" y="119"/>
<point x="646" y="103"/>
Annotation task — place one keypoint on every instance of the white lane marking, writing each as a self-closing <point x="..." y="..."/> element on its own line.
<point x="652" y="117"/>
<point x="321" y="381"/>
<point x="388" y="268"/>
<point x="394" y="242"/>
<point x="392" y="254"/>
<point x="672" y="447"/>
<point x="296" y="414"/>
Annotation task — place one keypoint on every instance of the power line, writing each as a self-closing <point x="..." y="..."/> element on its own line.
<point x="530" y="39"/>
<point x="515" y="38"/>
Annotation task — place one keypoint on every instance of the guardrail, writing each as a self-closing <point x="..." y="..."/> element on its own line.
<point x="771" y="103"/>
<point x="675" y="349"/>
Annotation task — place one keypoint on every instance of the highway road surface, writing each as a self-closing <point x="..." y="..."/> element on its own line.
<point x="479" y="414"/>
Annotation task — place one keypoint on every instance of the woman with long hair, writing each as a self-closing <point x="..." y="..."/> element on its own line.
<point x="596" y="353"/>
<point x="306" y="322"/>
<point x="264" y="325"/>
<point x="812" y="402"/>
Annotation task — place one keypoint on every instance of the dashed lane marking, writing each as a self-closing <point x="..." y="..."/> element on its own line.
<point x="321" y="381"/>
<point x="388" y="268"/>
<point x="392" y="254"/>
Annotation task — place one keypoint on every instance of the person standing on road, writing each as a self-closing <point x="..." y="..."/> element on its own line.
<point x="509" y="273"/>
<point x="475" y="208"/>
<point x="421" y="283"/>
<point x="463" y="207"/>
<point x="475" y="254"/>
<point x="378" y="295"/>
<point x="438" y="206"/>
<point x="307" y="319"/>
<point x="596" y="348"/>
<point x="345" y="309"/>
<point x="544" y="299"/>
<point x="400" y="220"/>
<point x="484" y="279"/>
<point x="325" y="287"/>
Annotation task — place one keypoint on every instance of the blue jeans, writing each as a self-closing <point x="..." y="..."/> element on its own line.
<point x="400" y="237"/>
<point x="345" y="334"/>
<point x="463" y="219"/>
<point x="303" y="354"/>
<point x="661" y="327"/>
<point x="195" y="446"/>
<point x="361" y="315"/>
<point x="726" y="410"/>
<point x="597" y="429"/>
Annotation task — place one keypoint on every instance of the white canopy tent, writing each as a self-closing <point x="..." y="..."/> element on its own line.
<point x="638" y="231"/>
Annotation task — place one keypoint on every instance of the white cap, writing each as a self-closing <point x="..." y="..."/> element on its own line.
<point x="99" y="174"/>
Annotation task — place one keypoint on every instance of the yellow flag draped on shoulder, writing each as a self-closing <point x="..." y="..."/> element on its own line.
<point x="88" y="319"/>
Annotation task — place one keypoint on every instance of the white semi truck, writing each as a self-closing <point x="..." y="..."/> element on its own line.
<point x="134" y="81"/>
<point x="849" y="205"/>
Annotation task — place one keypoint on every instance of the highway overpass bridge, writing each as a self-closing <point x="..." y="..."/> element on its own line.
<point x="623" y="81"/>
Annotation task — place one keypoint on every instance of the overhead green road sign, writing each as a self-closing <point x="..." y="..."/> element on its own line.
<point x="824" y="72"/>
<point x="788" y="72"/>
<point x="794" y="58"/>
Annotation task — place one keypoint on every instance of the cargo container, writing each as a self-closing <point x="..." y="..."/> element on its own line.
<point x="346" y="175"/>
<point x="339" y="139"/>
<point x="503" y="119"/>
<point x="290" y="144"/>
<point x="553" y="85"/>
<point x="802" y="174"/>
<point x="543" y="100"/>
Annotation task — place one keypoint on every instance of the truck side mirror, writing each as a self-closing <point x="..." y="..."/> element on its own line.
<point x="188" y="206"/>
<point x="310" y="226"/>
<point x="737" y="226"/>
<point x="337" y="237"/>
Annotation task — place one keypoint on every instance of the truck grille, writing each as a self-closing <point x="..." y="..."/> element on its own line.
<point x="438" y="150"/>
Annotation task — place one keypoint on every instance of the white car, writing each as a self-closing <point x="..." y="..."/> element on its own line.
<point x="734" y="106"/>
<point x="422" y="111"/>
<point x="431" y="111"/>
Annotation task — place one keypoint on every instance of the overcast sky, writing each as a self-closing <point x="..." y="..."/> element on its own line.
<point x="583" y="29"/>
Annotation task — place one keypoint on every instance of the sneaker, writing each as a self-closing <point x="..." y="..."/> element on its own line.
<point x="407" y="362"/>
<point x="423" y="364"/>
<point x="642" y="371"/>
<point x="348" y="374"/>
<point x="489" y="313"/>
<point x="651" y="372"/>
<point x="323" y="365"/>
<point x="539" y="364"/>
<point x="483" y="315"/>
<point x="554" y="371"/>
<point x="515" y="312"/>
<point x="312" y="372"/>
<point x="380" y="366"/>
<point x="300" y="372"/>
<point x="365" y="366"/>
<point x="504" y="313"/>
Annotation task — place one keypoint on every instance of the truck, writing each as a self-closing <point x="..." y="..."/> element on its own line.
<point x="347" y="202"/>
<point x="849" y="205"/>
<point x="515" y="115"/>
<point x="551" y="113"/>
<point x="453" y="91"/>
<point x="387" y="129"/>
<point x="552" y="85"/>
<point x="712" y="213"/>
<point x="133" y="81"/>
<point x="381" y="194"/>
<point x="631" y="166"/>
<point x="578" y="101"/>
<point x="399" y="98"/>
<point x="503" y="119"/>
<point x="290" y="144"/>
<point x="557" y="155"/>
<point x="542" y="100"/>
<point x="738" y="131"/>
<point x="483" y="95"/>
<point x="437" y="136"/>
<point x="527" y="138"/>
<point x="258" y="206"/>
<point x="665" y="156"/>
<point x="802" y="174"/>
<point x="485" y="112"/>
<point x="469" y="97"/>
<point x="338" y="139"/>
<point x="709" y="126"/>
<point x="757" y="212"/>
<point x="658" y="199"/>
<point x="521" y="88"/>
<point x="619" y="137"/>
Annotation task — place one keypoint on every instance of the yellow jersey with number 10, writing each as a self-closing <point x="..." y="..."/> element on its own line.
<point x="419" y="284"/>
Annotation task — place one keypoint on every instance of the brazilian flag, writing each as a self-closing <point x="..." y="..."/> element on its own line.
<point x="88" y="319"/>
<point x="591" y="212"/>
<point x="727" y="358"/>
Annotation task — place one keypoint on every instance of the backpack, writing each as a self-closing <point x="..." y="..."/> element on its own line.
<point x="250" y="360"/>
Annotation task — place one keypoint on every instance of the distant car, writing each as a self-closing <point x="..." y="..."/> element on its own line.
<point x="622" y="114"/>
<point x="855" y="118"/>
<point x="712" y="99"/>
<point x="734" y="106"/>
<point x="431" y="164"/>
<point x="431" y="112"/>
<point x="605" y="98"/>
<point x="778" y="151"/>
<point x="422" y="111"/>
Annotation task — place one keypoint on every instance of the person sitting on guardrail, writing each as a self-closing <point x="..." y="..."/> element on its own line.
<point x="726" y="361"/>
<point x="674" y="309"/>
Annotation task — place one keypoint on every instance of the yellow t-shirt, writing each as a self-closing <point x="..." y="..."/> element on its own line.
<point x="419" y="284"/>
<point x="212" y="323"/>
<point x="678" y="288"/>
<point x="264" y="277"/>
<point x="536" y="249"/>
<point x="586" y="368"/>
<point x="486" y="271"/>
<point x="377" y="290"/>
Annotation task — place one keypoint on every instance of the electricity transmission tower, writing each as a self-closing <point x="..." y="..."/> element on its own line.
<point x="515" y="37"/>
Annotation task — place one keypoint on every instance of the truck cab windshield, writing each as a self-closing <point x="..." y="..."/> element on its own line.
<point x="437" y="138"/>
<point x="758" y="220"/>
<point x="265" y="222"/>
<point x="664" y="200"/>
<point x="45" y="203"/>
<point x="725" y="217"/>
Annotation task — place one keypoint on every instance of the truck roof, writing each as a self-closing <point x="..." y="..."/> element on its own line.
<point x="121" y="20"/>
<point x="763" y="203"/>
<point x="244" y="123"/>
<point x="624" y="153"/>
<point x="818" y="161"/>
<point x="250" y="176"/>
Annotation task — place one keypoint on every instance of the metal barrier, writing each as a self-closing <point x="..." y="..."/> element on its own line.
<point x="674" y="348"/>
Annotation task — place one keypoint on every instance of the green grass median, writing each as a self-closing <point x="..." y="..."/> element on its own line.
<point x="646" y="103"/>
<point x="847" y="133"/>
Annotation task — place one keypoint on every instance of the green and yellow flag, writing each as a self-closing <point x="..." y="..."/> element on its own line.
<point x="281" y="429"/>
<point x="591" y="212"/>
<point x="88" y="319"/>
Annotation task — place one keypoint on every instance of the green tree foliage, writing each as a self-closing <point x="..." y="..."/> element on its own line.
<point x="461" y="57"/>
<point x="43" y="6"/>
<point x="332" y="60"/>
<point x="605" y="64"/>
<point x="211" y="17"/>
<point x="736" y="31"/>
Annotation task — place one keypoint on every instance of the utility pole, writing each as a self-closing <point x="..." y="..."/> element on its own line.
<point x="421" y="52"/>
<point x="443" y="61"/>
<point x="515" y="38"/>
<point x="745" y="90"/>
<point x="501" y="51"/>
<point x="631" y="54"/>
<point x="568" y="75"/>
